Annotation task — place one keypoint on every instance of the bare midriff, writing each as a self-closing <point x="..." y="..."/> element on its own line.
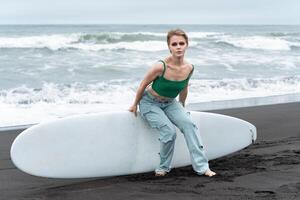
<point x="149" y="89"/>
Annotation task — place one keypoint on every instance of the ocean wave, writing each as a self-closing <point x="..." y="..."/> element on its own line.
<point x="113" y="91"/>
<point x="53" y="42"/>
<point x="203" y="35"/>
<point x="142" y="41"/>
<point x="230" y="89"/>
<point x="284" y="34"/>
<point x="287" y="83"/>
<point x="226" y="44"/>
<point x="115" y="37"/>
<point x="27" y="105"/>
<point x="295" y="47"/>
<point x="136" y="46"/>
<point x="76" y="93"/>
<point x="83" y="42"/>
<point x="278" y="34"/>
<point x="256" y="42"/>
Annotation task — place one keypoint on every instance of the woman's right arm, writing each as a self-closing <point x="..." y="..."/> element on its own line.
<point x="154" y="71"/>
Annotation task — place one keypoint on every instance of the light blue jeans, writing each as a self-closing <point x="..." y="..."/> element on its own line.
<point x="163" y="116"/>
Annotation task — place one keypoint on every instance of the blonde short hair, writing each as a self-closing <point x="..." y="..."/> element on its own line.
<point x="178" y="32"/>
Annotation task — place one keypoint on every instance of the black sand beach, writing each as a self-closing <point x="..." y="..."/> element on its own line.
<point x="269" y="169"/>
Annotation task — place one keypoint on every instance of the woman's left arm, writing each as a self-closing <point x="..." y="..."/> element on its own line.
<point x="183" y="95"/>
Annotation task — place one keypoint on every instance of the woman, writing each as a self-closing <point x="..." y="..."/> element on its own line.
<point x="156" y="98"/>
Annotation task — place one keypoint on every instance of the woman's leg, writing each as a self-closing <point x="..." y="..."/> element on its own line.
<point x="181" y="118"/>
<point x="157" y="119"/>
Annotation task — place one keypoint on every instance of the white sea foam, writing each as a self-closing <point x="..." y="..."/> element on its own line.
<point x="257" y="42"/>
<point x="142" y="33"/>
<point x="227" y="89"/>
<point x="137" y="46"/>
<point x="29" y="105"/>
<point x="101" y="40"/>
<point x="163" y="34"/>
<point x="134" y="33"/>
<point x="201" y="35"/>
<point x="50" y="41"/>
<point x="95" y="42"/>
<point x="55" y="42"/>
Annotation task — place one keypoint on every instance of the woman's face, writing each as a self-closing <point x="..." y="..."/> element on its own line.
<point x="177" y="45"/>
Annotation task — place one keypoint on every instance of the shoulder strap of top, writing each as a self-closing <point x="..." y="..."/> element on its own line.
<point x="164" y="67"/>
<point x="191" y="71"/>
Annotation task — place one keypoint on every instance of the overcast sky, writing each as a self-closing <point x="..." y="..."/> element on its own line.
<point x="149" y="12"/>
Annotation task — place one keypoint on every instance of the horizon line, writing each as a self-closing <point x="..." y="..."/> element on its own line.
<point x="212" y="24"/>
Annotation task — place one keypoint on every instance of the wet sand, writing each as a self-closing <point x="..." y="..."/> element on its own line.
<point x="269" y="169"/>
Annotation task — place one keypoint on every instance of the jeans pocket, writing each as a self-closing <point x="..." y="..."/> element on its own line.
<point x="144" y="108"/>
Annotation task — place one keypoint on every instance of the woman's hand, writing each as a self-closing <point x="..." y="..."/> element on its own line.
<point x="133" y="109"/>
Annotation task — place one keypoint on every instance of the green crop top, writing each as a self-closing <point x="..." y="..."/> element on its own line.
<point x="169" y="88"/>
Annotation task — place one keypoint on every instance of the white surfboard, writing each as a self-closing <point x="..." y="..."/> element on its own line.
<point x="117" y="143"/>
